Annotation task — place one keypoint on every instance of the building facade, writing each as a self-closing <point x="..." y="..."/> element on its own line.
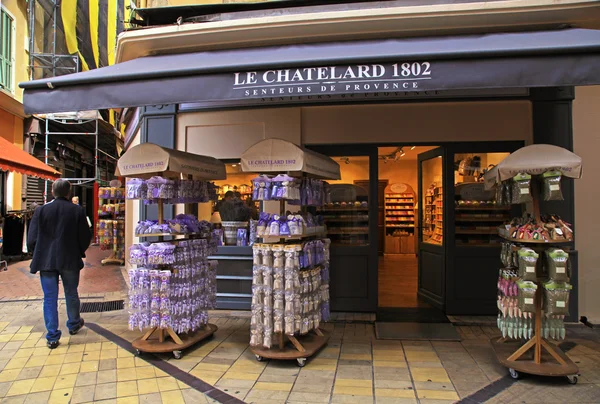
<point x="355" y="124"/>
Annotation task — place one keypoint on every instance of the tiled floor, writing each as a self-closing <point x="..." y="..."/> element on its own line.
<point x="353" y="368"/>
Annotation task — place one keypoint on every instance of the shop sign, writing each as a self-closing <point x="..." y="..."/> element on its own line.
<point x="406" y="76"/>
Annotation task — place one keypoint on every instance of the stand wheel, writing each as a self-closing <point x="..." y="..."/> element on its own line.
<point x="177" y="354"/>
<point x="572" y="379"/>
<point x="259" y="358"/>
<point x="514" y="374"/>
<point x="301" y="362"/>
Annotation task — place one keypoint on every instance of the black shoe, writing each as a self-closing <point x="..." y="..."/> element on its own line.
<point x="76" y="329"/>
<point x="52" y="344"/>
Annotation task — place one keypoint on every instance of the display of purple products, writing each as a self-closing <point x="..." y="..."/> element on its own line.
<point x="290" y="289"/>
<point x="175" y="285"/>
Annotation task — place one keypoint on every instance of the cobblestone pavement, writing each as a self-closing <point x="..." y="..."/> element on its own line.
<point x="98" y="365"/>
<point x="96" y="279"/>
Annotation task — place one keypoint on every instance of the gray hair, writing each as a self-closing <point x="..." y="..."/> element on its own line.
<point x="61" y="188"/>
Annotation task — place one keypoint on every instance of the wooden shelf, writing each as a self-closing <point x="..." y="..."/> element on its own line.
<point x="471" y="207"/>
<point x="399" y="215"/>
<point x="481" y="219"/>
<point x="344" y="210"/>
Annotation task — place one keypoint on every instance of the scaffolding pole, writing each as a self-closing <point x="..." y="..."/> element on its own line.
<point x="97" y="150"/>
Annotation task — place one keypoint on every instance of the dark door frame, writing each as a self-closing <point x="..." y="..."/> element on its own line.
<point x="371" y="151"/>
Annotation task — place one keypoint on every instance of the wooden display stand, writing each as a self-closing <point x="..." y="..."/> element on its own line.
<point x="294" y="350"/>
<point x="299" y="162"/>
<point x="178" y="342"/>
<point x="400" y="215"/>
<point x="537" y="356"/>
<point x="170" y="164"/>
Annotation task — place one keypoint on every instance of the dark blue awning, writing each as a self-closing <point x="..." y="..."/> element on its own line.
<point x="507" y="60"/>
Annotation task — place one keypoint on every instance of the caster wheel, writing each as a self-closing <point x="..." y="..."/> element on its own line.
<point x="301" y="362"/>
<point x="138" y="352"/>
<point x="177" y="354"/>
<point x="572" y="379"/>
<point x="514" y="374"/>
<point x="259" y="358"/>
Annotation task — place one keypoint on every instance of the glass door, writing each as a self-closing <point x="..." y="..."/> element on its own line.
<point x="431" y="228"/>
<point x="350" y="217"/>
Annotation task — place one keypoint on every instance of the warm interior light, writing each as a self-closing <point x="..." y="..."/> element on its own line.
<point x="412" y="147"/>
<point x="402" y="154"/>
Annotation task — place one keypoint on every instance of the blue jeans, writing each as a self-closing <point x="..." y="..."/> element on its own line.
<point x="70" y="281"/>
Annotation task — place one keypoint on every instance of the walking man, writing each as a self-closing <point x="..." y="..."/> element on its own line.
<point x="59" y="236"/>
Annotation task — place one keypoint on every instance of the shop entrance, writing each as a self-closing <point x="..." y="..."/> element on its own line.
<point x="400" y="222"/>
<point x="414" y="229"/>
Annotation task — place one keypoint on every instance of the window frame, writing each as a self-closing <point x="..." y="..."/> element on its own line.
<point x="10" y="59"/>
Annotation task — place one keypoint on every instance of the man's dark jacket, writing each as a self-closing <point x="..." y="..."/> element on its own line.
<point x="58" y="236"/>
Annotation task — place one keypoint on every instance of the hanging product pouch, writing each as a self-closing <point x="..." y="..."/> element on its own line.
<point x="507" y="192"/>
<point x="500" y="195"/>
<point x="527" y="264"/>
<point x="556" y="298"/>
<point x="263" y="224"/>
<point x="557" y="261"/>
<point x="521" y="190"/>
<point x="526" y="296"/>
<point x="551" y="190"/>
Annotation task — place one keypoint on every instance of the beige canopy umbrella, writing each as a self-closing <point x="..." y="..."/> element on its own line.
<point x="147" y="159"/>
<point x="535" y="160"/>
<point x="281" y="156"/>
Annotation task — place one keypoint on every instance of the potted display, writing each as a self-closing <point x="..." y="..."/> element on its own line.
<point x="235" y="215"/>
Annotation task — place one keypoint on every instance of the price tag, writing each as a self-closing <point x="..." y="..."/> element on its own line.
<point x="554" y="187"/>
<point x="530" y="269"/>
<point x="524" y="190"/>
<point x="560" y="270"/>
<point x="528" y="300"/>
<point x="560" y="303"/>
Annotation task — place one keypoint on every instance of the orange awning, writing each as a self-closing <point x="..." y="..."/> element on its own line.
<point x="14" y="159"/>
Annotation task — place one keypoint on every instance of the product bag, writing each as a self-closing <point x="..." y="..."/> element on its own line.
<point x="551" y="189"/>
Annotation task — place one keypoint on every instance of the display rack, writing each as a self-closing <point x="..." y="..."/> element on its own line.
<point x="111" y="219"/>
<point x="399" y="219"/>
<point x="347" y="225"/>
<point x="477" y="215"/>
<point x="280" y="156"/>
<point x="148" y="160"/>
<point x="538" y="355"/>
<point x="477" y="223"/>
<point x="434" y="215"/>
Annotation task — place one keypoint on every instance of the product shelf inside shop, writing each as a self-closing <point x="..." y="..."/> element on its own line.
<point x="165" y="234"/>
<point x="344" y="209"/>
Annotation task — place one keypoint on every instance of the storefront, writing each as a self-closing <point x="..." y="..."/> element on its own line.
<point x="359" y="102"/>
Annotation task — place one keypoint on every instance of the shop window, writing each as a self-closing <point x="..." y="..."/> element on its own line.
<point x="6" y="50"/>
<point x="346" y="213"/>
<point x="477" y="215"/>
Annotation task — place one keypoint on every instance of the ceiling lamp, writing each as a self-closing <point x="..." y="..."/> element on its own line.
<point x="402" y="154"/>
<point x="412" y="147"/>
